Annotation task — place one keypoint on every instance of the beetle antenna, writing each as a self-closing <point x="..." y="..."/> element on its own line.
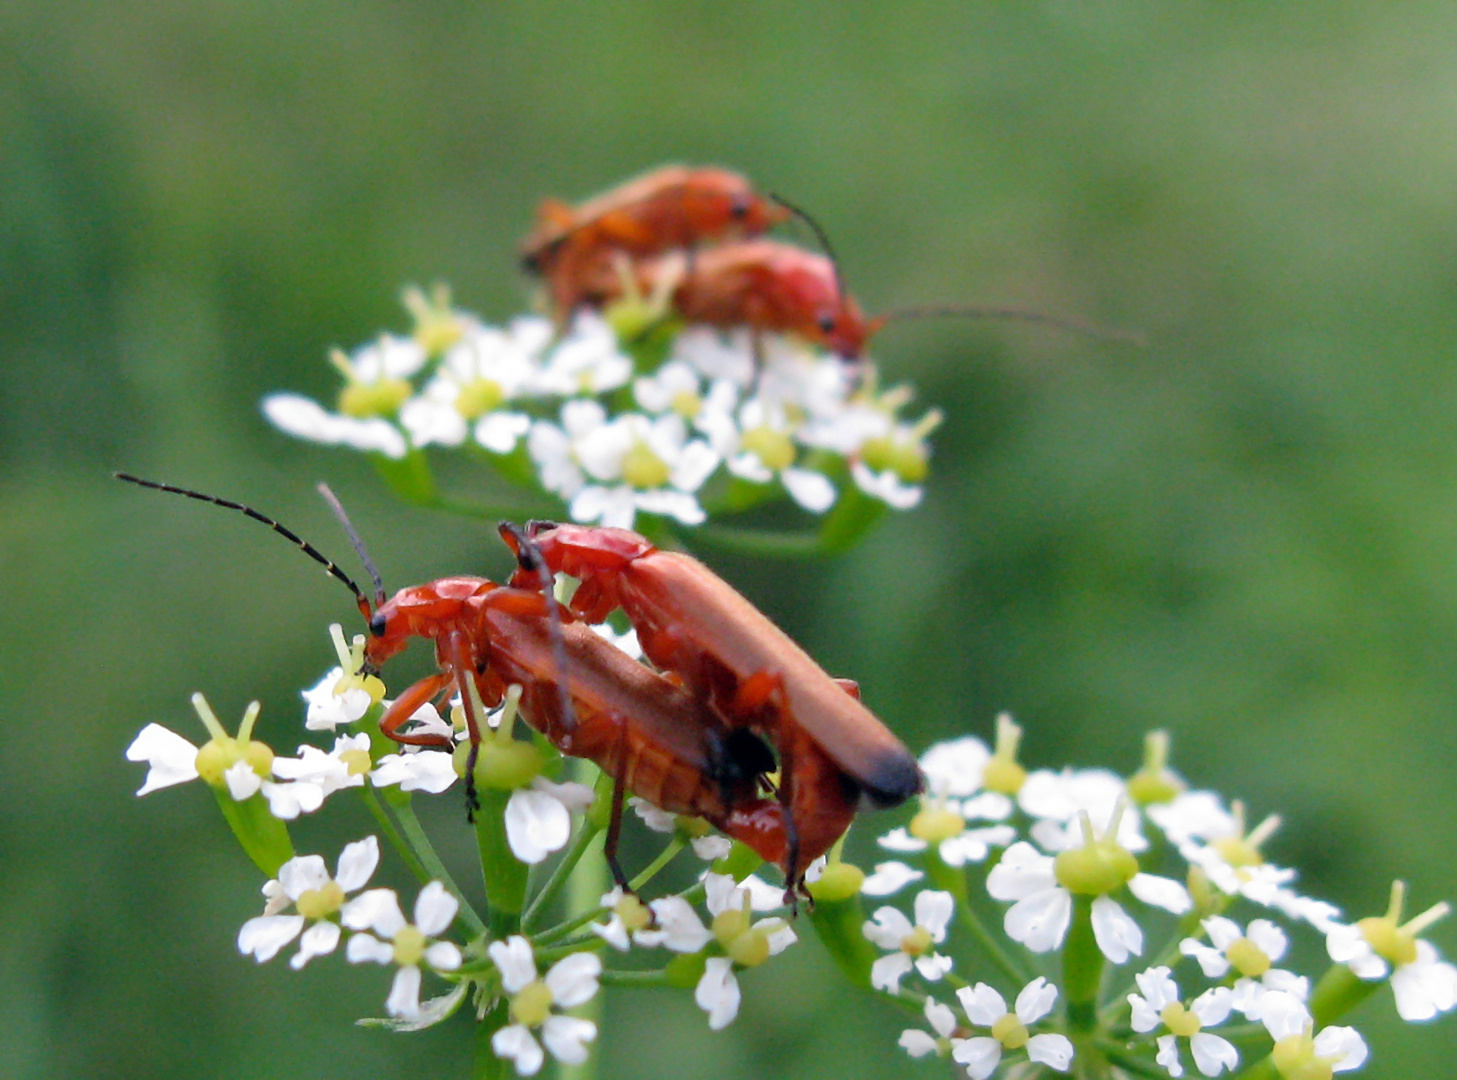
<point x="974" y="311"/>
<point x="278" y="527"/>
<point x="821" y="236"/>
<point x="529" y="558"/>
<point x="354" y="538"/>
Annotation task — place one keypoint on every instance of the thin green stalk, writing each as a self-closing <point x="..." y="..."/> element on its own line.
<point x="953" y="880"/>
<point x="503" y="874"/>
<point x="542" y="902"/>
<point x="486" y="1065"/>
<point x="430" y="860"/>
<point x="392" y="834"/>
<point x="635" y="978"/>
<point x="1082" y="966"/>
<point x="653" y="868"/>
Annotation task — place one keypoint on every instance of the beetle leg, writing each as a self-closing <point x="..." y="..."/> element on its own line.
<point x="407" y="704"/>
<point x="614" y="821"/>
<point x="455" y="648"/>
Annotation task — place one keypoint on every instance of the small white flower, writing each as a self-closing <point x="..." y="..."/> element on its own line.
<point x="305" y="419"/>
<point x="1158" y="1005"/>
<point x="986" y="1008"/>
<point x="918" y="1043"/>
<point x="170" y="758"/>
<point x="886" y="486"/>
<point x="1252" y="955"/>
<point x="1059" y="797"/>
<point x="431" y="771"/>
<point x="393" y="940"/>
<point x="746" y="942"/>
<point x="889" y="878"/>
<point x="587" y="360"/>
<point x="1422" y="982"/>
<point x="328" y="710"/>
<point x="304" y="883"/>
<point x="1285" y="1017"/>
<point x="910" y="942"/>
<point x="343" y="767"/>
<point x="953" y="768"/>
<point x="571" y="981"/>
<point x="485" y="370"/>
<point x="1042" y="910"/>
<point x="717" y="992"/>
<point x="969" y="845"/>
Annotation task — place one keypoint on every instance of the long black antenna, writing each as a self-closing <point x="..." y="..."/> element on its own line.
<point x="977" y="311"/>
<point x="283" y="530"/>
<point x="821" y="236"/>
<point x="359" y="548"/>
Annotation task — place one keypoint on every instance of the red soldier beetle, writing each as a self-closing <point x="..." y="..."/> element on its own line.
<point x="586" y="696"/>
<point x="694" y="625"/>
<point x="667" y="208"/>
<point x="775" y="287"/>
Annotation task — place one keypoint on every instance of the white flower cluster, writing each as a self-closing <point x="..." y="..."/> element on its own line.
<point x="1072" y="845"/>
<point x="765" y="415"/>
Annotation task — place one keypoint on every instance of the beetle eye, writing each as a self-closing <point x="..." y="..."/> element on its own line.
<point x="827" y="322"/>
<point x="740" y="207"/>
<point x="377" y="625"/>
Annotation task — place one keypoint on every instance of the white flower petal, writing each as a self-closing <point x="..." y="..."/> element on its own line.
<point x="887" y="972"/>
<point x="934" y="909"/>
<point x="515" y="1043"/>
<point x="889" y="878"/>
<point x="263" y="936"/>
<point x="1213" y="1054"/>
<point x="374" y="909"/>
<point x="1344" y="1045"/>
<point x="566" y="1037"/>
<point x="320" y="939"/>
<point x="572" y="980"/>
<point x="357" y="863"/>
<point x="1161" y="892"/>
<point x="979" y="1056"/>
<point x="431" y="771"/>
<point x="1040" y="920"/>
<point x="917" y="1043"/>
<point x="171" y="759"/>
<point x="1118" y="936"/>
<point x="718" y="993"/>
<point x="536" y="825"/>
<point x="367" y="947"/>
<point x="1168" y="1055"/>
<point x="243" y="783"/>
<point x="1036" y="1000"/>
<point x="1054" y="1051"/>
<point x="812" y="490"/>
<point x="1023" y="872"/>
<point x="982" y="1004"/>
<point x="514" y="961"/>
<point x="435" y="909"/>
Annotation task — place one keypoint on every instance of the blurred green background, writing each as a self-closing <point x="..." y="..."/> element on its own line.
<point x="1246" y="533"/>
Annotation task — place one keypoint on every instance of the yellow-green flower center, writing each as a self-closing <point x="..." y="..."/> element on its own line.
<point x="321" y="902"/>
<point x="909" y="461"/>
<point x="1097" y="868"/>
<point x="1248" y="958"/>
<point x="532" y="1005"/>
<point x="635" y="915"/>
<point x="357" y="762"/>
<point x="773" y="448"/>
<point x="918" y="942"/>
<point x="382" y="398"/>
<point x="749" y="949"/>
<point x="1391" y="943"/>
<point x="1180" y="1020"/>
<point x="1238" y="852"/>
<point x="409" y="946"/>
<point x="687" y="404"/>
<point x="503" y="763"/>
<point x="478" y="397"/>
<point x="1294" y="1058"/>
<point x="731" y="924"/>
<point x="1003" y="776"/>
<point x="218" y="755"/>
<point x="1010" y="1032"/>
<point x="935" y="824"/>
<point x="840" y="881"/>
<point x="643" y="469"/>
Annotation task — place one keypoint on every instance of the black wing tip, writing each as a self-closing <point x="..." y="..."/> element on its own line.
<point x="893" y="782"/>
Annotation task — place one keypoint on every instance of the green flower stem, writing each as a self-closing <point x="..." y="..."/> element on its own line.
<point x="634" y="978"/>
<point x="400" y="802"/>
<point x="264" y="838"/>
<point x="504" y="875"/>
<point x="542" y="902"/>
<point x="1082" y="967"/>
<point x="392" y="834"/>
<point x="667" y="855"/>
<point x="1337" y="993"/>
<point x="841" y="928"/>
<point x="693" y="895"/>
<point x="953" y="881"/>
<point x="487" y="1066"/>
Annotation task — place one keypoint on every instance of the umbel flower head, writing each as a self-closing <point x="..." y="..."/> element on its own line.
<point x="720" y="423"/>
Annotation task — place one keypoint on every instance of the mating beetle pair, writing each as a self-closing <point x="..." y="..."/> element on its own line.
<point x="698" y="736"/>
